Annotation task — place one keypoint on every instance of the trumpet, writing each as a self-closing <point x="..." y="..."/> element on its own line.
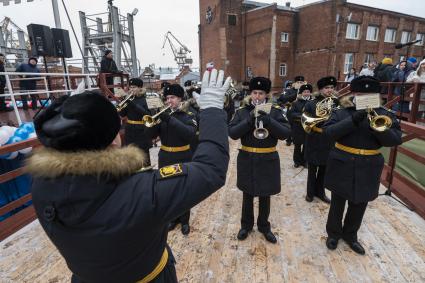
<point x="230" y="94"/>
<point x="260" y="132"/>
<point x="154" y="120"/>
<point x="124" y="103"/>
<point x="379" y="123"/>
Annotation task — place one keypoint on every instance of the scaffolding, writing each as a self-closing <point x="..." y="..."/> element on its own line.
<point x="109" y="30"/>
<point x="13" y="40"/>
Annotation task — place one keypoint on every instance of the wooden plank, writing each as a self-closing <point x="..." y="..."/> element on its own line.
<point x="15" y="204"/>
<point x="17" y="221"/>
<point x="12" y="175"/>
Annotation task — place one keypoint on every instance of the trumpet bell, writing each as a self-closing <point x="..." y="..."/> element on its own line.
<point x="380" y="123"/>
<point x="261" y="133"/>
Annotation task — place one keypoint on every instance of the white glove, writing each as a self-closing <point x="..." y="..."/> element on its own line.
<point x="213" y="90"/>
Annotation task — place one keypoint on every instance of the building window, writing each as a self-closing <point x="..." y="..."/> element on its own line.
<point x="348" y="62"/>
<point x="372" y="33"/>
<point x="284" y="37"/>
<point x="405" y="37"/>
<point x="368" y="58"/>
<point x="390" y="35"/>
<point x="353" y="31"/>
<point x="421" y="37"/>
<point x="282" y="70"/>
<point x="231" y="19"/>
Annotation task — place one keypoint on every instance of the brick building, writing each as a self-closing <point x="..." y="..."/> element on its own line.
<point x="247" y="38"/>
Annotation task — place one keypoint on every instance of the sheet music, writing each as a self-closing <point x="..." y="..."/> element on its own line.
<point x="371" y="100"/>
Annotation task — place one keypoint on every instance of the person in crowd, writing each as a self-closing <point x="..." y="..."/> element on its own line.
<point x="29" y="83"/>
<point x="418" y="76"/>
<point x="369" y="71"/>
<point x="351" y="75"/>
<point x="104" y="211"/>
<point x="3" y="106"/>
<point x="403" y="71"/>
<point x="108" y="66"/>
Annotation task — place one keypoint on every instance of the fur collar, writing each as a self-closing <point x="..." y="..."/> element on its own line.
<point x="111" y="162"/>
<point x="347" y="101"/>
<point x="138" y="92"/>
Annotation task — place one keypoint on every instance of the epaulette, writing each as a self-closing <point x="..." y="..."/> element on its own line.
<point x="171" y="171"/>
<point x="242" y="107"/>
<point x="277" y="106"/>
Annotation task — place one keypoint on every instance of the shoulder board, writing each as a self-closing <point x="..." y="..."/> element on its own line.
<point x="240" y="108"/>
<point x="277" y="106"/>
<point x="171" y="171"/>
<point x="144" y="169"/>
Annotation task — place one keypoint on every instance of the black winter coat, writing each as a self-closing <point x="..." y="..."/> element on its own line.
<point x="180" y="130"/>
<point x="317" y="145"/>
<point x="351" y="176"/>
<point x="134" y="133"/>
<point x="288" y="96"/>
<point x="294" y="116"/>
<point x="2" y="78"/>
<point x="108" y="65"/>
<point x="109" y="221"/>
<point x="258" y="173"/>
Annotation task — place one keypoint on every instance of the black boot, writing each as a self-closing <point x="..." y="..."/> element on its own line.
<point x="270" y="237"/>
<point x="185" y="229"/>
<point x="324" y="198"/>
<point x="357" y="247"/>
<point x="331" y="243"/>
<point x="172" y="225"/>
<point x="243" y="234"/>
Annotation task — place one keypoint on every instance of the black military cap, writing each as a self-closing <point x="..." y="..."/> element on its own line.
<point x="299" y="79"/>
<point x="326" y="81"/>
<point x="174" y="89"/>
<point x="188" y="83"/>
<point x="136" y="82"/>
<point x="164" y="84"/>
<point x="260" y="83"/>
<point x="365" y="84"/>
<point x="306" y="87"/>
<point x="86" y="121"/>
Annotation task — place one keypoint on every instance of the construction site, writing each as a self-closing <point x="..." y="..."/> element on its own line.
<point x="242" y="38"/>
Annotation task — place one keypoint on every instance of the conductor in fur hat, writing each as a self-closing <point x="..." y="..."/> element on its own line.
<point x="355" y="163"/>
<point x="176" y="130"/>
<point x="258" y="165"/>
<point x="318" y="145"/>
<point x="106" y="214"/>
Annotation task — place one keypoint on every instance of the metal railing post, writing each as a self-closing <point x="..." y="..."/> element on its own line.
<point x="12" y="97"/>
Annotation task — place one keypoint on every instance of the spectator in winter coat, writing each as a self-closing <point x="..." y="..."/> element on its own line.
<point x="401" y="75"/>
<point x="418" y="76"/>
<point x="27" y="84"/>
<point x="369" y="71"/>
<point x="351" y="75"/>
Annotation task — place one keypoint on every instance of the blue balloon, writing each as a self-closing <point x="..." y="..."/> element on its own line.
<point x="21" y="133"/>
<point x="28" y="127"/>
<point x="14" y="139"/>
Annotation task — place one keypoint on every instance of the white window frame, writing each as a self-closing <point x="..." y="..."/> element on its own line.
<point x="352" y="28"/>
<point x="422" y="37"/>
<point x="372" y="33"/>
<point x="348" y="62"/>
<point x="405" y="36"/>
<point x="369" y="58"/>
<point x="390" y="32"/>
<point x="283" y="67"/>
<point x="284" y="37"/>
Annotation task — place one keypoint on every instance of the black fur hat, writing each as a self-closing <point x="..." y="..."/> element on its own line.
<point x="326" y="81"/>
<point x="174" y="89"/>
<point x="299" y="79"/>
<point x="136" y="82"/>
<point x="86" y="121"/>
<point x="260" y="83"/>
<point x="164" y="84"/>
<point x="365" y="84"/>
<point x="305" y="87"/>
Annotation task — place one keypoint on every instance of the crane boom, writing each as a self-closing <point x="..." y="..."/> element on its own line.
<point x="180" y="51"/>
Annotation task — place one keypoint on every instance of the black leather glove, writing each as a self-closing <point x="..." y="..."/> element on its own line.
<point x="165" y="116"/>
<point x="264" y="117"/>
<point x="251" y="117"/>
<point x="358" y="117"/>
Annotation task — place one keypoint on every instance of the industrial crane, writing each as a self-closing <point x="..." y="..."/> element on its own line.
<point x="180" y="51"/>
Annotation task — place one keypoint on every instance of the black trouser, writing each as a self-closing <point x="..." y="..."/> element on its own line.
<point x="299" y="154"/>
<point x="2" y="98"/>
<point x="315" y="180"/>
<point x="247" y="220"/>
<point x="34" y="99"/>
<point x="353" y="218"/>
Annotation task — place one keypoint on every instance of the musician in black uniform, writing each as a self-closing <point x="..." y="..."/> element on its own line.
<point x="288" y="96"/>
<point x="297" y="131"/>
<point x="107" y="216"/>
<point x="190" y="106"/>
<point x="355" y="163"/>
<point x="258" y="162"/>
<point x="135" y="130"/>
<point x="176" y="130"/>
<point x="317" y="145"/>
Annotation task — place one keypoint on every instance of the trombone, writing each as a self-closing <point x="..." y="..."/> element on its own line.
<point x="154" y="120"/>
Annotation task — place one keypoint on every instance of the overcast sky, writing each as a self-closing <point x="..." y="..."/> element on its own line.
<point x="155" y="18"/>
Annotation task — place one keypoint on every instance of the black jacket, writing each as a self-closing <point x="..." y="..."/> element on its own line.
<point x="2" y="78"/>
<point x="28" y="84"/>
<point x="294" y="116"/>
<point x="110" y="222"/>
<point x="180" y="130"/>
<point x="288" y="96"/>
<point x="317" y="145"/>
<point x="258" y="173"/>
<point x="108" y="65"/>
<point x="134" y="133"/>
<point x="357" y="177"/>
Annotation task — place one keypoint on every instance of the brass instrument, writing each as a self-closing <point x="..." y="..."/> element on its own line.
<point x="260" y="132"/>
<point x="379" y="123"/>
<point x="154" y="120"/>
<point x="230" y="94"/>
<point x="124" y="103"/>
<point x="324" y="110"/>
